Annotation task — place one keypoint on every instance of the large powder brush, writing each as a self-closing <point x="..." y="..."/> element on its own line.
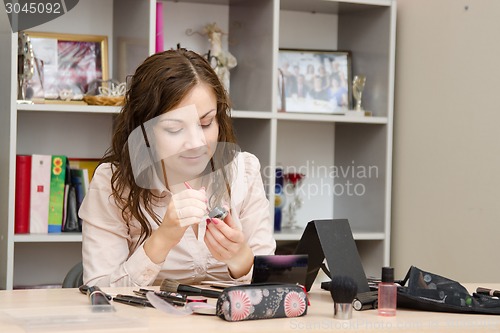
<point x="343" y="290"/>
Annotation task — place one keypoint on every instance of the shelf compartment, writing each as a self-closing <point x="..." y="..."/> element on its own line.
<point x="361" y="160"/>
<point x="254" y="135"/>
<point x="64" y="133"/>
<point x="362" y="27"/>
<point x="47" y="263"/>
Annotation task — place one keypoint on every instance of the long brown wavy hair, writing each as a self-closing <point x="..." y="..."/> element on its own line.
<point x="158" y="85"/>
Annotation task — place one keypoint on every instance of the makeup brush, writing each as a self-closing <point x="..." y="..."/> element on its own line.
<point x="176" y="287"/>
<point x="343" y="290"/>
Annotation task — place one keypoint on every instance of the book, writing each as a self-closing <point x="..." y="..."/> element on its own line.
<point x="65" y="205"/>
<point x="80" y="181"/>
<point x="86" y="181"/>
<point x="40" y="193"/>
<point x="67" y="184"/>
<point x="84" y="163"/>
<point x="80" y="178"/>
<point x="71" y="221"/>
<point x="56" y="200"/>
<point x="77" y="181"/>
<point x="23" y="185"/>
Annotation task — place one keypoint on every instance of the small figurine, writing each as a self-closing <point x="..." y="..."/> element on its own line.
<point x="222" y="60"/>
<point x="358" y="84"/>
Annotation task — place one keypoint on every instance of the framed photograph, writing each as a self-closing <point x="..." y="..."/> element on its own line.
<point x="67" y="64"/>
<point x="314" y="81"/>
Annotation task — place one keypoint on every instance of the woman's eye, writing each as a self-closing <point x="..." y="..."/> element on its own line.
<point x="172" y="130"/>
<point x="205" y="124"/>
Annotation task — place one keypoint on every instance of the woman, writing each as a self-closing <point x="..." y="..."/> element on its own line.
<point x="172" y="159"/>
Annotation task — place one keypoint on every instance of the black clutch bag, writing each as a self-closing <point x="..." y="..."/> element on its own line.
<point x="427" y="291"/>
<point x="262" y="301"/>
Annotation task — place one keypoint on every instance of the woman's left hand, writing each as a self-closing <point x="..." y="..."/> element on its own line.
<point x="227" y="243"/>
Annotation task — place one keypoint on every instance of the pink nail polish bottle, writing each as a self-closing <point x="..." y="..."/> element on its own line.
<point x="387" y="293"/>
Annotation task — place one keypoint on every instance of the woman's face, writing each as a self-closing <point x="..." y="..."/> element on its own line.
<point x="186" y="137"/>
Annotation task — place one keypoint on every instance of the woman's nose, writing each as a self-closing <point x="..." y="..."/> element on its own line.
<point x="195" y="138"/>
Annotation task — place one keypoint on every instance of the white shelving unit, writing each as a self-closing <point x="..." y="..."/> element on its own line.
<point x="257" y="29"/>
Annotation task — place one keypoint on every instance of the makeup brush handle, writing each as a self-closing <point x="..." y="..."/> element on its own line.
<point x="190" y="290"/>
<point x="486" y="291"/>
<point x="210" y="293"/>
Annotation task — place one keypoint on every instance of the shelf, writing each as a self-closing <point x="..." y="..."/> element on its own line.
<point x="251" y="114"/>
<point x="320" y="6"/>
<point x="284" y="235"/>
<point x="69" y="108"/>
<point x="331" y="6"/>
<point x="294" y="235"/>
<point x="296" y="116"/>
<point x="73" y="108"/>
<point x="331" y="118"/>
<point x="48" y="238"/>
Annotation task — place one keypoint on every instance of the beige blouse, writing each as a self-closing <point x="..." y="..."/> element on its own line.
<point x="110" y="257"/>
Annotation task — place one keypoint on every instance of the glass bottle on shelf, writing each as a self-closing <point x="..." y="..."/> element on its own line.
<point x="294" y="181"/>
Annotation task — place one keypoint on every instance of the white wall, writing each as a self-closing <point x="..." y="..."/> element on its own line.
<point x="446" y="200"/>
<point x="181" y="17"/>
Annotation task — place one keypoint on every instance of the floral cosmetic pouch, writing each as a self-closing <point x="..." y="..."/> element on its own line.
<point x="262" y="301"/>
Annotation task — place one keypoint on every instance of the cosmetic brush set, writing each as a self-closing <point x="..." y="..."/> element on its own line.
<point x="171" y="292"/>
<point x="98" y="298"/>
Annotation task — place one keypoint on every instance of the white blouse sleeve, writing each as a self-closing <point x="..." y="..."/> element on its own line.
<point x="253" y="208"/>
<point x="107" y="243"/>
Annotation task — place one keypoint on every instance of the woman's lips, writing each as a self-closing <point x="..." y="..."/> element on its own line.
<point x="193" y="158"/>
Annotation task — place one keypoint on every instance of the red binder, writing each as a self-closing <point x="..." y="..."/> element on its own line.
<point x="23" y="185"/>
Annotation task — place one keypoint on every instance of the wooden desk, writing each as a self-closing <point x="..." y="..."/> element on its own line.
<point x="63" y="307"/>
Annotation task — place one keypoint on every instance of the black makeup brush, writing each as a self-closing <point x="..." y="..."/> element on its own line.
<point x="343" y="290"/>
<point x="176" y="287"/>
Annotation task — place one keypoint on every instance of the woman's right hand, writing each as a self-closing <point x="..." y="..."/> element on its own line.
<point x="185" y="208"/>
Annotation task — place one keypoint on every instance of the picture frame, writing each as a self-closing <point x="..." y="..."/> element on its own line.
<point x="314" y="81"/>
<point x="66" y="65"/>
